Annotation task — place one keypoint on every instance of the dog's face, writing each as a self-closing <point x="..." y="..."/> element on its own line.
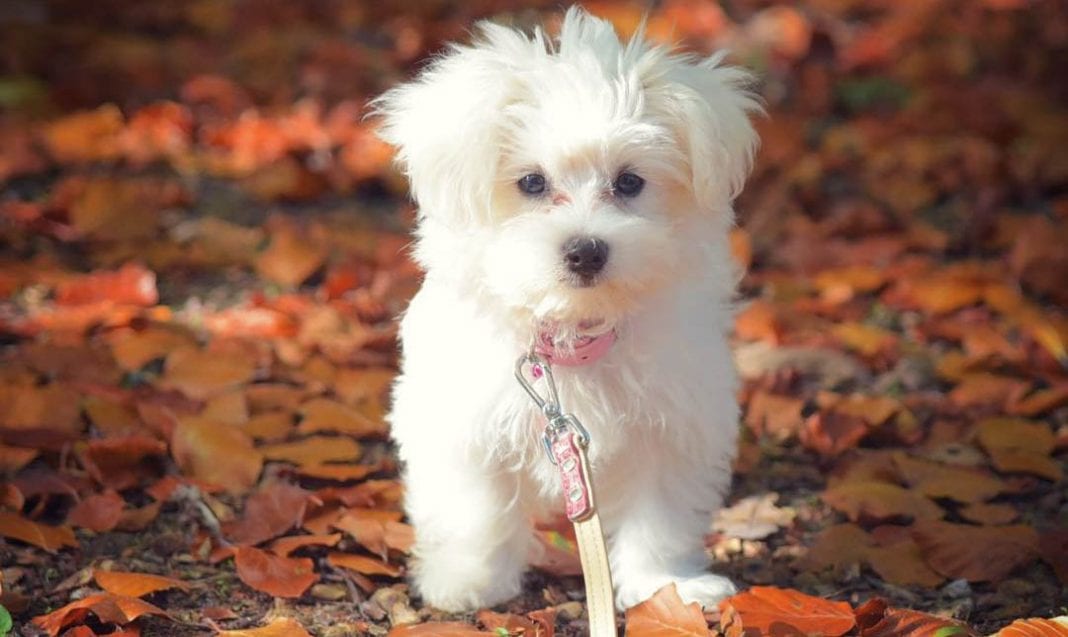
<point x="569" y="181"/>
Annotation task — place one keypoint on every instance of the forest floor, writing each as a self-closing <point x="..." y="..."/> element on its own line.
<point x="202" y="253"/>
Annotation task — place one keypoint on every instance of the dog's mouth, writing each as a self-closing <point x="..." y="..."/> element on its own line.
<point x="582" y="343"/>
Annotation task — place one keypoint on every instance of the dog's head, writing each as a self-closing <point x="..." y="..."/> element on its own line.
<point x="568" y="180"/>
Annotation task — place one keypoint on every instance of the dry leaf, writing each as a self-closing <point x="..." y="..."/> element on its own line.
<point x="363" y="565"/>
<point x="216" y="453"/>
<point x="762" y="607"/>
<point x="977" y="554"/>
<point x="665" y="615"/>
<point x="753" y="518"/>
<point x="109" y="608"/>
<point x="135" y="584"/>
<point x="279" y="627"/>
<point x="314" y="450"/>
<point x="879" y="501"/>
<point x="49" y="538"/>
<point x="272" y="574"/>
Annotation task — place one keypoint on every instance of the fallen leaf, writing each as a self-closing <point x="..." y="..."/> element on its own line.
<point x="201" y="374"/>
<point x="773" y="415"/>
<point x="279" y="627"/>
<point x="876" y="619"/>
<point x="377" y="535"/>
<point x="880" y="501"/>
<point x="437" y="629"/>
<point x="98" y="512"/>
<point x="272" y="574"/>
<point x="1036" y="627"/>
<point x="362" y="564"/>
<point x="1020" y="446"/>
<point x="989" y="514"/>
<point x="109" y="608"/>
<point x="135" y="584"/>
<point x="285" y="546"/>
<point x="765" y="607"/>
<point x="269" y="512"/>
<point x="1053" y="547"/>
<point x="831" y="433"/>
<point x="324" y="414"/>
<point x="290" y="258"/>
<point x="49" y="538"/>
<point x="977" y="554"/>
<point x="753" y="518"/>
<point x="132" y="285"/>
<point x="314" y="450"/>
<point x="216" y="453"/>
<point x="665" y="615"/>
<point x="936" y="480"/>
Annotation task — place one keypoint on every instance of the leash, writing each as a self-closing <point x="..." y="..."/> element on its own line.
<point x="565" y="441"/>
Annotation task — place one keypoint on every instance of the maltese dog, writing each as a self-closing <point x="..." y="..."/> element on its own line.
<point x="575" y="197"/>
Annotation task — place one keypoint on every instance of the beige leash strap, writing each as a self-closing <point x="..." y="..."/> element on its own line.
<point x="565" y="441"/>
<point x="600" y="603"/>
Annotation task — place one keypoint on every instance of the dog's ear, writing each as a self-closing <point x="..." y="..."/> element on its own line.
<point x="712" y="104"/>
<point x="447" y="123"/>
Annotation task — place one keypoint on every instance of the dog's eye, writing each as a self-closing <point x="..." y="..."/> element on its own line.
<point x="532" y="184"/>
<point x="628" y="185"/>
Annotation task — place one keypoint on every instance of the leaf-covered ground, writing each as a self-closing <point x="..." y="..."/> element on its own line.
<point x="202" y="248"/>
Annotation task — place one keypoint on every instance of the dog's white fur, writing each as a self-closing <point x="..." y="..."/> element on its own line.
<point x="660" y="406"/>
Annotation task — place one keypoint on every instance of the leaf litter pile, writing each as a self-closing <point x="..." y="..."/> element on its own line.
<point x="202" y="250"/>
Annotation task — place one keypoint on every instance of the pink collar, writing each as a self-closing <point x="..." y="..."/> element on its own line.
<point x="588" y="349"/>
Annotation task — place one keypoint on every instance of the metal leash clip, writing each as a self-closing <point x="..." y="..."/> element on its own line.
<point x="558" y="422"/>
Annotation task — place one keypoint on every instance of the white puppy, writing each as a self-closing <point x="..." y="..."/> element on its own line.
<point x="577" y="194"/>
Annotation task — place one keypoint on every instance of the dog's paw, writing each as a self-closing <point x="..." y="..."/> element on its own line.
<point x="707" y="590"/>
<point x="456" y="588"/>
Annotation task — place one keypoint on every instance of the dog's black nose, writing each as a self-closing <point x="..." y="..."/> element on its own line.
<point x="585" y="256"/>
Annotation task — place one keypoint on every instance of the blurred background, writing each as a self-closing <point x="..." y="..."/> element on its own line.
<point x="204" y="168"/>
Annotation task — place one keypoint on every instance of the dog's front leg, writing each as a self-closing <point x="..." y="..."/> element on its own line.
<point x="657" y="533"/>
<point x="471" y="536"/>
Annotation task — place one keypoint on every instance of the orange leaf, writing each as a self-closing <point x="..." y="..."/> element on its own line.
<point x="943" y="481"/>
<point x="99" y="512"/>
<point x="763" y="607"/>
<point x="879" y="500"/>
<point x="216" y="453"/>
<point x="437" y="629"/>
<point x="202" y="374"/>
<point x="664" y="615"/>
<point x="279" y="627"/>
<point x="507" y="622"/>
<point x="285" y="546"/>
<point x="876" y="619"/>
<point x="324" y="414"/>
<point x="135" y="584"/>
<point x="338" y="472"/>
<point x="314" y="450"/>
<point x="49" y="538"/>
<point x="274" y="575"/>
<point x="362" y="564"/>
<point x="1036" y="627"/>
<point x="290" y="258"/>
<point x="977" y="554"/>
<point x="130" y="285"/>
<point x="270" y="512"/>
<point x="109" y="608"/>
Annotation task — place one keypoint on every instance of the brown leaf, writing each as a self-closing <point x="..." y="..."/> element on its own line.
<point x="314" y="450"/>
<point x="1036" y="627"/>
<point x="880" y="501"/>
<point x="977" y="554"/>
<point x="201" y="374"/>
<point x="109" y="608"/>
<point x="509" y="623"/>
<point x="216" y="453"/>
<point x="437" y="629"/>
<point x="290" y="258"/>
<point x="363" y="565"/>
<point x="285" y="546"/>
<point x="831" y="433"/>
<point x="876" y="619"/>
<point x="762" y="607"/>
<point x="135" y="584"/>
<point x="269" y="512"/>
<point x="1053" y="546"/>
<point x="49" y="538"/>
<point x="279" y="627"/>
<point x="773" y="415"/>
<point x="377" y="535"/>
<point x="274" y="575"/>
<point x="131" y="285"/>
<point x="936" y="480"/>
<point x="324" y="414"/>
<point x="753" y="518"/>
<point x="98" y="512"/>
<point x="989" y="514"/>
<point x="664" y="615"/>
